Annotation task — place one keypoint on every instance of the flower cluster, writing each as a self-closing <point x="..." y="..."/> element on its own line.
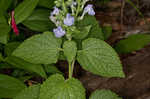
<point x="64" y="19"/>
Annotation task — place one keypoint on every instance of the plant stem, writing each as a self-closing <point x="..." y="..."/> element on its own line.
<point x="70" y="70"/>
<point x="64" y="6"/>
<point x="73" y="65"/>
<point x="78" y="8"/>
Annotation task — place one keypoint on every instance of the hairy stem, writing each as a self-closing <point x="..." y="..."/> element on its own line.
<point x="70" y="70"/>
<point x="73" y="65"/>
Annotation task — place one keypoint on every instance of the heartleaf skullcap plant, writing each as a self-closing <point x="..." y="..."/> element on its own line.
<point x="80" y="39"/>
<point x="66" y="13"/>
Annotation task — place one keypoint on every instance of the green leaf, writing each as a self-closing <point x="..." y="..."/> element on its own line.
<point x="21" y="64"/>
<point x="39" y="21"/>
<point x="62" y="56"/>
<point x="46" y="3"/>
<point x="132" y="43"/>
<point x="4" y="65"/>
<point x="107" y="30"/>
<point x="82" y="32"/>
<point x="4" y="38"/>
<point x="88" y="20"/>
<point x="104" y="94"/>
<point x="4" y="4"/>
<point x="10" y="47"/>
<point x="9" y="86"/>
<point x="18" y="73"/>
<point x="3" y="19"/>
<point x="24" y="9"/>
<point x="51" y="69"/>
<point x="56" y="87"/>
<point x="1" y="57"/>
<point x="99" y="58"/>
<point x="70" y="50"/>
<point x="1" y="47"/>
<point x="96" y="31"/>
<point x="4" y="30"/>
<point x="31" y="92"/>
<point x="39" y="49"/>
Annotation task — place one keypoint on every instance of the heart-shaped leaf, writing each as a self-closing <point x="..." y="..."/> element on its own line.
<point x="39" y="49"/>
<point x="9" y="86"/>
<point x="56" y="87"/>
<point x="99" y="58"/>
<point x="70" y="50"/>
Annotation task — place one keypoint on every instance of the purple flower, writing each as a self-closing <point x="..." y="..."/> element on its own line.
<point x="69" y="20"/>
<point x="55" y="11"/>
<point x="59" y="32"/>
<point x="89" y="9"/>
